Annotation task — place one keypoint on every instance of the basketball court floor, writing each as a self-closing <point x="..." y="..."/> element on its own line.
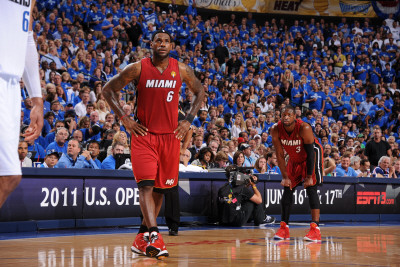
<point x="362" y="244"/>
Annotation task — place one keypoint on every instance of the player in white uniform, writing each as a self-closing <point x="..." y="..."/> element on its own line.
<point x="18" y="57"/>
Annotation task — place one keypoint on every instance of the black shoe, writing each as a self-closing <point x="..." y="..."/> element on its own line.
<point x="172" y="232"/>
<point x="269" y="219"/>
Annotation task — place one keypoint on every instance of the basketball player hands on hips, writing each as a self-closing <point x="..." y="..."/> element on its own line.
<point x="18" y="57"/>
<point x="155" y="131"/>
<point x="133" y="127"/>
<point x="304" y="165"/>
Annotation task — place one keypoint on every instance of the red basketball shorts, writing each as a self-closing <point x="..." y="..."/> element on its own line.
<point x="297" y="171"/>
<point x="155" y="160"/>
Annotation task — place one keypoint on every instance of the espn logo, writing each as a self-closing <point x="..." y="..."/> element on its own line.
<point x="373" y="198"/>
<point x="170" y="182"/>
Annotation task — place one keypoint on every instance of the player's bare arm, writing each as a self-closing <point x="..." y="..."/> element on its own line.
<point x="307" y="134"/>
<point x="110" y="91"/>
<point x="194" y="85"/>
<point x="280" y="155"/>
<point x="31" y="79"/>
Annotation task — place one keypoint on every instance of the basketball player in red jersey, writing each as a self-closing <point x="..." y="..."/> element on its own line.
<point x="156" y="132"/>
<point x="304" y="165"/>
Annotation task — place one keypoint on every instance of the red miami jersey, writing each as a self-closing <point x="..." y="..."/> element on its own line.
<point x="157" y="97"/>
<point x="293" y="143"/>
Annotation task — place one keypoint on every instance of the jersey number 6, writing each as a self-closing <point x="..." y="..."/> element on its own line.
<point x="25" y="21"/>
<point x="170" y="96"/>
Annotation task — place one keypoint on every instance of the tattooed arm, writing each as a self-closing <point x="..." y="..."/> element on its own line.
<point x="110" y="91"/>
<point x="194" y="85"/>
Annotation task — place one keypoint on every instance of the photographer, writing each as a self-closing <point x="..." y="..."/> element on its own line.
<point x="239" y="200"/>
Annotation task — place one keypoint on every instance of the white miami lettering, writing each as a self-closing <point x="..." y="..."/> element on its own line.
<point x="290" y="142"/>
<point x="150" y="83"/>
<point x="168" y="83"/>
<point x="160" y="83"/>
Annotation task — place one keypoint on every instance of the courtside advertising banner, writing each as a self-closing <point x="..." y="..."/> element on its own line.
<point x="333" y="8"/>
<point x="90" y="198"/>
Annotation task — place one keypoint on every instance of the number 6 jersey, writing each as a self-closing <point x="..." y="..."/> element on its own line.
<point x="14" y="23"/>
<point x="157" y="97"/>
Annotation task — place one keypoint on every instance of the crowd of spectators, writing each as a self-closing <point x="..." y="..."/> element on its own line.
<point x="341" y="77"/>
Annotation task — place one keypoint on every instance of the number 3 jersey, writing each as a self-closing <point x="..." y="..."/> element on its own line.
<point x="157" y="97"/>
<point x="293" y="143"/>
<point x="14" y="22"/>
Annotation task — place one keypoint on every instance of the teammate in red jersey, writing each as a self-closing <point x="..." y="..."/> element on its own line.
<point x="156" y="133"/>
<point x="304" y="165"/>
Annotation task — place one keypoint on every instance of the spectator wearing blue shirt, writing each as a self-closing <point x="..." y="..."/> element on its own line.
<point x="48" y="123"/>
<point x="379" y="119"/>
<point x="388" y="74"/>
<point x="231" y="106"/>
<point x="60" y="143"/>
<point x="249" y="160"/>
<point x="309" y="118"/>
<point x="117" y="14"/>
<point x="109" y="162"/>
<point x="316" y="99"/>
<point x="375" y="74"/>
<point x="272" y="163"/>
<point x="344" y="168"/>
<point x="201" y="120"/>
<point x="95" y="17"/>
<point x="50" y="160"/>
<point x="358" y="97"/>
<point x="107" y="26"/>
<point x="191" y="10"/>
<point x="269" y="122"/>
<point x="27" y="110"/>
<point x="276" y="80"/>
<point x="72" y="159"/>
<point x="379" y="106"/>
<point x="50" y="5"/>
<point x="365" y="106"/>
<point x="346" y="96"/>
<point x="34" y="146"/>
<point x="297" y="94"/>
<point x="183" y="33"/>
<point x="55" y="107"/>
<point x="360" y="72"/>
<point x="212" y="101"/>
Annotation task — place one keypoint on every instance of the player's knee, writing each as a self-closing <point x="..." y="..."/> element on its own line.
<point x="11" y="182"/>
<point x="313" y="198"/>
<point x="145" y="190"/>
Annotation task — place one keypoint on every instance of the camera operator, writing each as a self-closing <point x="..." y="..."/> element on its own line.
<point x="239" y="200"/>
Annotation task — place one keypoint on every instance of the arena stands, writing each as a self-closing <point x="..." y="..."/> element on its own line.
<point x="343" y="78"/>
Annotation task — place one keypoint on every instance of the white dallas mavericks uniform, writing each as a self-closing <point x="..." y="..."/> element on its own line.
<point x="14" y="23"/>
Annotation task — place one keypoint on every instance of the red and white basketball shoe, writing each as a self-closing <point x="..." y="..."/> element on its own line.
<point x="314" y="234"/>
<point x="140" y="243"/>
<point x="283" y="232"/>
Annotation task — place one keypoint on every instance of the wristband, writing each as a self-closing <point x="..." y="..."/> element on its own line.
<point x="254" y="187"/>
<point x="123" y="116"/>
<point x="189" y="118"/>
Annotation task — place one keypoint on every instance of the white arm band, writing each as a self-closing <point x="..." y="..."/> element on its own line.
<point x="31" y="72"/>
